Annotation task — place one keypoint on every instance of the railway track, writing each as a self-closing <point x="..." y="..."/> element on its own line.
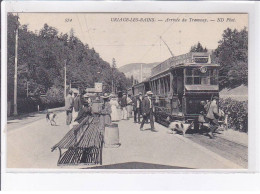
<point x="230" y="150"/>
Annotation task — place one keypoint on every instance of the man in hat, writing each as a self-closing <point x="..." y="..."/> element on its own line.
<point x="147" y="111"/>
<point x="77" y="104"/>
<point x="69" y="107"/>
<point x="137" y="104"/>
<point x="124" y="106"/>
<point x="87" y="99"/>
<point x="212" y="115"/>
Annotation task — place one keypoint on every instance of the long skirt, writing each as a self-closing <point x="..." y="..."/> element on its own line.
<point x="115" y="114"/>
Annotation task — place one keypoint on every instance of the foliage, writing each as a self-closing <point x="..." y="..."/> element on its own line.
<point x="232" y="55"/>
<point x="54" y="97"/>
<point x="42" y="57"/>
<point x="237" y="113"/>
<point x="198" y="48"/>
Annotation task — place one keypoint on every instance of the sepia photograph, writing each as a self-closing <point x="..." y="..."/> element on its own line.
<point x="132" y="91"/>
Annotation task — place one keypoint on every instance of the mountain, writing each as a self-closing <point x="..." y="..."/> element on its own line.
<point x="134" y="69"/>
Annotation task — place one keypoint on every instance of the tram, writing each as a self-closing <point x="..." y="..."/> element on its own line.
<point x="179" y="84"/>
<point x="142" y="87"/>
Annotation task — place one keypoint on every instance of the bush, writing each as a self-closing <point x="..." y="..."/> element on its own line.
<point x="54" y="98"/>
<point x="28" y="104"/>
<point x="237" y="113"/>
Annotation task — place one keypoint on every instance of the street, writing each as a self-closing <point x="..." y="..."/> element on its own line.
<point x="29" y="146"/>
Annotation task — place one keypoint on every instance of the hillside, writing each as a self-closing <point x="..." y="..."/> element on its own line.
<point x="134" y="70"/>
<point x="132" y="66"/>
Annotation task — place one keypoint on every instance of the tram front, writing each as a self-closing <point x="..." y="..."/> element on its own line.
<point x="200" y="84"/>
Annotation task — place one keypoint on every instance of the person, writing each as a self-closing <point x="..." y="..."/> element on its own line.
<point x="124" y="106"/>
<point x="212" y="115"/>
<point x="114" y="108"/>
<point x="137" y="103"/>
<point x="84" y="111"/>
<point x="147" y="110"/>
<point x="77" y="105"/>
<point x="105" y="113"/>
<point x="129" y="106"/>
<point x="69" y="107"/>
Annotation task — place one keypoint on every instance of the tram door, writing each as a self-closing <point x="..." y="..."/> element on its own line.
<point x="178" y="86"/>
<point x="175" y="105"/>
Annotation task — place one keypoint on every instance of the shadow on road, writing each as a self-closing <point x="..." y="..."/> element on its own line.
<point x="137" y="165"/>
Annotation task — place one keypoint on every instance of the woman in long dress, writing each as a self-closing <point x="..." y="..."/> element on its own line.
<point x="114" y="107"/>
<point x="105" y="113"/>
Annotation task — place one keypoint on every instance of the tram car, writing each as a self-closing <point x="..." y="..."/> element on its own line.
<point x="142" y="87"/>
<point x="179" y="84"/>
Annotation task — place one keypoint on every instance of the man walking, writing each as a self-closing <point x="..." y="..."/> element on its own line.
<point x="212" y="115"/>
<point x="77" y="105"/>
<point x="124" y="107"/>
<point x="147" y="110"/>
<point x="137" y="103"/>
<point x="69" y="107"/>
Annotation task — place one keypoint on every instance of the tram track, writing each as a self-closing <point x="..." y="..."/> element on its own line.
<point x="230" y="150"/>
<point x="233" y="151"/>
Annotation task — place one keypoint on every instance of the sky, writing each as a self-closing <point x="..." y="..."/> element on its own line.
<point x="135" y="37"/>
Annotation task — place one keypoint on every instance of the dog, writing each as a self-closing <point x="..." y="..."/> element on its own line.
<point x="50" y="117"/>
<point x="180" y="126"/>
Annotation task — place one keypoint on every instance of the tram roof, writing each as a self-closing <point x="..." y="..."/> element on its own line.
<point x="145" y="81"/>
<point x="183" y="66"/>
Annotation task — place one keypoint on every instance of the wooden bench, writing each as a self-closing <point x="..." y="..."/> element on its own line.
<point x="82" y="144"/>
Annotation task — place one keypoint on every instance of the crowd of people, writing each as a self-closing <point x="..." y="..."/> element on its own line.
<point x="113" y="108"/>
<point x="110" y="107"/>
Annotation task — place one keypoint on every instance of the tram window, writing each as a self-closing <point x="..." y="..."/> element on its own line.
<point x="205" y="80"/>
<point x="196" y="72"/>
<point x="215" y="72"/>
<point x="213" y="81"/>
<point x="189" y="72"/>
<point x="189" y="80"/>
<point x="197" y="80"/>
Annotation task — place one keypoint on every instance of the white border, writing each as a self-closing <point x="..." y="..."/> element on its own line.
<point x="148" y="180"/>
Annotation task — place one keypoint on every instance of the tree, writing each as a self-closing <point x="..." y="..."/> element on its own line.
<point x="41" y="63"/>
<point x="198" y="48"/>
<point x="232" y="55"/>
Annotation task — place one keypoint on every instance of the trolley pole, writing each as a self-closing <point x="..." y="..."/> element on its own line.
<point x="15" y="68"/>
<point x="65" y="78"/>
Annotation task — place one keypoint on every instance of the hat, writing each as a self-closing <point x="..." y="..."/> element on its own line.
<point x="124" y="93"/>
<point x="86" y="95"/>
<point x="149" y="93"/>
<point x="140" y="93"/>
<point x="105" y="96"/>
<point x="112" y="95"/>
<point x="215" y="98"/>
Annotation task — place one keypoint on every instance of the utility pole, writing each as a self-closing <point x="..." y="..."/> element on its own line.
<point x="141" y="72"/>
<point x="15" y="67"/>
<point x="27" y="89"/>
<point x="65" y="78"/>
